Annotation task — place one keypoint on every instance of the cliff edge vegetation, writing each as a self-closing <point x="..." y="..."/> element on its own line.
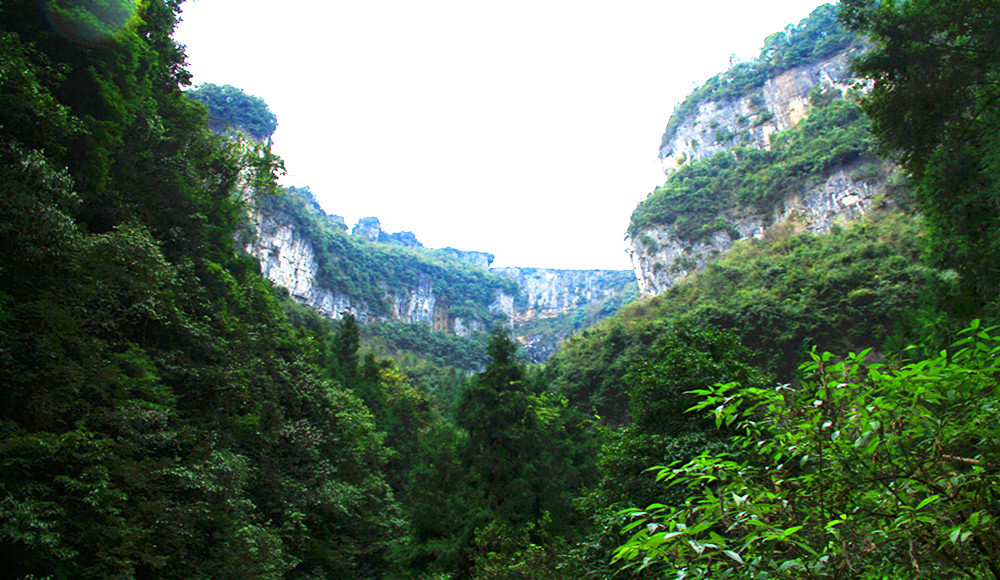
<point x="706" y="196"/>
<point x="378" y="281"/>
<point x="817" y="37"/>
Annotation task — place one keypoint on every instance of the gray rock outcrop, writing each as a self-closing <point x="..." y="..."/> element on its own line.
<point x="660" y="258"/>
<point x="752" y="118"/>
<point x="479" y="259"/>
<point x="546" y="292"/>
<point x="368" y="228"/>
<point x="287" y="258"/>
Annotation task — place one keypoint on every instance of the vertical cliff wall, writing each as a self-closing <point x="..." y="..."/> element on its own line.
<point x="394" y="280"/>
<point x="751" y="118"/>
<point x="550" y="305"/>
<point x="661" y="258"/>
<point x="786" y="150"/>
<point x="380" y="277"/>
<point x="545" y="292"/>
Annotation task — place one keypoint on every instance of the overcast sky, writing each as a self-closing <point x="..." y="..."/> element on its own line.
<point x="527" y="129"/>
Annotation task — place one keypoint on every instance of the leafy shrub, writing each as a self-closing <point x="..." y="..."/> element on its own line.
<point x="863" y="471"/>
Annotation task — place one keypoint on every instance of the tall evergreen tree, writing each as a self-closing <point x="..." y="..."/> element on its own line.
<point x="496" y="411"/>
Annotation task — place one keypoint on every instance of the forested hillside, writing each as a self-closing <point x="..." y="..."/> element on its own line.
<point x="159" y="415"/>
<point x="877" y="461"/>
<point x="168" y="412"/>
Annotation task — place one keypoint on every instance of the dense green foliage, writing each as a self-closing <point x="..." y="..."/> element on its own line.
<point x="857" y="286"/>
<point x="853" y="287"/>
<point x="497" y="486"/>
<point x="861" y="471"/>
<point x="165" y="412"/>
<point x="229" y="108"/>
<point x="483" y="490"/>
<point x="682" y="359"/>
<point x="694" y="199"/>
<point x="506" y="436"/>
<point x="816" y="37"/>
<point x="439" y="348"/>
<point x="933" y="103"/>
<point x="158" y="417"/>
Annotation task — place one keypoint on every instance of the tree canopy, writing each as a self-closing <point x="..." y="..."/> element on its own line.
<point x="231" y="108"/>
<point x="935" y="74"/>
<point x="158" y="417"/>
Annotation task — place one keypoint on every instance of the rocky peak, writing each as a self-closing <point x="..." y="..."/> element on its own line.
<point x="368" y="228"/>
<point x="406" y="239"/>
<point x="479" y="259"/>
<point x="306" y="194"/>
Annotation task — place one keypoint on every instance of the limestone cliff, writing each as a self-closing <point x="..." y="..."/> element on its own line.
<point x="374" y="281"/>
<point x="550" y="305"/>
<point x="751" y="118"/>
<point x="660" y="258"/>
<point x="480" y="259"/>
<point x="370" y="228"/>
<point x="545" y="292"/>
<point x="381" y="277"/>
<point x="759" y="147"/>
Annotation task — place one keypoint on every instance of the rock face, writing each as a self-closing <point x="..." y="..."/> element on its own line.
<point x="480" y="259"/>
<point x="541" y="306"/>
<point x="405" y="239"/>
<point x="752" y="118"/>
<point x="544" y="292"/>
<point x="660" y="259"/>
<point x="287" y="257"/>
<point x="553" y="304"/>
<point x="368" y="228"/>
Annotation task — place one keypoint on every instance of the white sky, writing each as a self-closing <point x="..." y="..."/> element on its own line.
<point x="527" y="129"/>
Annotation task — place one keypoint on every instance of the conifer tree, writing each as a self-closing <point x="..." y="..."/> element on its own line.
<point x="496" y="411"/>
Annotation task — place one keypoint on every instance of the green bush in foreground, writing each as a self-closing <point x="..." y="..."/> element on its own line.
<point x="864" y="471"/>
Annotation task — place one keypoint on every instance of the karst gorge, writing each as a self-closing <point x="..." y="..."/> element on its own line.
<point x="204" y="374"/>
